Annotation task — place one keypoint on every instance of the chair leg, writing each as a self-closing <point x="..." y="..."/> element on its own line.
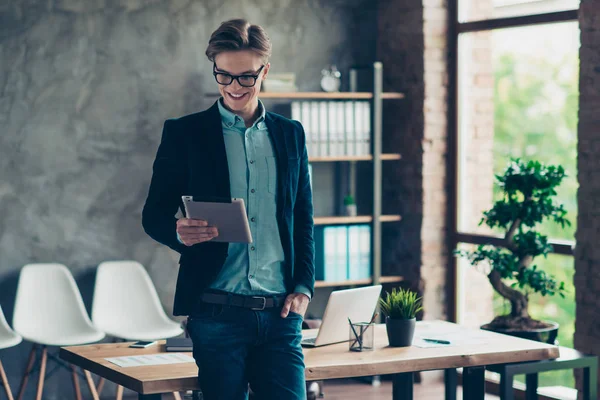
<point x="5" y="382"/>
<point x="90" y="381"/>
<point x="100" y="386"/>
<point x="40" y="387"/>
<point x="76" y="383"/>
<point x="176" y="396"/>
<point x="27" y="372"/>
<point x="119" y="392"/>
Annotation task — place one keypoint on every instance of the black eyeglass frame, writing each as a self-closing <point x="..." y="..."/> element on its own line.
<point x="236" y="77"/>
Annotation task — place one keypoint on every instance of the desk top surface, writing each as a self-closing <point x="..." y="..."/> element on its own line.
<point x="470" y="347"/>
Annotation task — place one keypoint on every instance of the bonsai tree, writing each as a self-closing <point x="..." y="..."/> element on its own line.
<point x="528" y="189"/>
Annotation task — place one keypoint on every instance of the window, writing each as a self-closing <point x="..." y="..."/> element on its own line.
<point x="516" y="91"/>
<point x="474" y="10"/>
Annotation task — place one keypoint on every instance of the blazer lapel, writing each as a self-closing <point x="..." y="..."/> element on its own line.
<point x="218" y="153"/>
<point x="278" y="138"/>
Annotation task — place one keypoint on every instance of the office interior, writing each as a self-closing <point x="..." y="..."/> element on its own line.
<point x="85" y="87"/>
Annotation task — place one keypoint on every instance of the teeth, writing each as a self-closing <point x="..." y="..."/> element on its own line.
<point x="237" y="96"/>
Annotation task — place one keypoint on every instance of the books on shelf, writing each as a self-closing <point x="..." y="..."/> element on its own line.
<point x="342" y="252"/>
<point x="335" y="128"/>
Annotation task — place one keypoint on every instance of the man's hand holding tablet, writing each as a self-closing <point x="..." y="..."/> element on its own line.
<point x="193" y="231"/>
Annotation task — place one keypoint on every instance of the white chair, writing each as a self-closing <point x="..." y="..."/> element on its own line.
<point x="8" y="338"/>
<point x="49" y="311"/>
<point x="126" y="306"/>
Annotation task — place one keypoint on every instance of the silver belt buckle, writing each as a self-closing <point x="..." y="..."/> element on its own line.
<point x="264" y="303"/>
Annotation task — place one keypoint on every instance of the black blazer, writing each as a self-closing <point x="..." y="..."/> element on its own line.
<point x="191" y="160"/>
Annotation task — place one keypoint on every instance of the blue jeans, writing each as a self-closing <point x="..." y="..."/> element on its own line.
<point x="234" y="347"/>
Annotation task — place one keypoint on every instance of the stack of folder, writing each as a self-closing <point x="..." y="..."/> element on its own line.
<point x="342" y="252"/>
<point x="335" y="128"/>
<point x="179" y="344"/>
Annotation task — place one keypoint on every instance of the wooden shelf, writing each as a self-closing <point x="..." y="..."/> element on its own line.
<point x="358" y="282"/>
<point x="384" y="157"/>
<point x="360" y="219"/>
<point x="322" y="95"/>
<point x="391" y="279"/>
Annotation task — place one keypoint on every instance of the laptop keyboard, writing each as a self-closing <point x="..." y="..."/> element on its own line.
<point x="309" y="340"/>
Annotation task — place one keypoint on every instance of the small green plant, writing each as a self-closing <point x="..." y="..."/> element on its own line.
<point x="348" y="200"/>
<point x="401" y="304"/>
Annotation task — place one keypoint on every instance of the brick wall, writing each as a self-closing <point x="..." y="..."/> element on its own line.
<point x="476" y="100"/>
<point x="435" y="198"/>
<point x="412" y="47"/>
<point x="587" y="254"/>
<point x="400" y="48"/>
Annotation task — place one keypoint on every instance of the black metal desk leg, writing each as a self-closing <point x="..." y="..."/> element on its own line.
<point x="402" y="388"/>
<point x="590" y="381"/>
<point x="506" y="386"/>
<point x="450" y="383"/>
<point x="531" y="386"/>
<point x="474" y="383"/>
<point x="157" y="396"/>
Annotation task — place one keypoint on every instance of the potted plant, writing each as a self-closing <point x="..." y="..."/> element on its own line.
<point x="400" y="307"/>
<point x="350" y="205"/>
<point x="527" y="189"/>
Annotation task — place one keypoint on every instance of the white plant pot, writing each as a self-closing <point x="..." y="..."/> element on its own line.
<point x="351" y="210"/>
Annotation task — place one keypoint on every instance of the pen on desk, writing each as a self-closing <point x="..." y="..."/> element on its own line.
<point x="373" y="319"/>
<point x="355" y="334"/>
<point x="436" y="341"/>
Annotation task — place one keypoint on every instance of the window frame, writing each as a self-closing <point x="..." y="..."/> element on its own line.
<point x="455" y="237"/>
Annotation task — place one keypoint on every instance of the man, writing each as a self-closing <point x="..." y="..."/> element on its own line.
<point x="245" y="302"/>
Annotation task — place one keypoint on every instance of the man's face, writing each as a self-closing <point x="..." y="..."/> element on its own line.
<point x="244" y="62"/>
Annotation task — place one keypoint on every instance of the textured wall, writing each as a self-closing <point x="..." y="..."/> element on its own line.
<point x="414" y="58"/>
<point x="84" y="89"/>
<point x="587" y="253"/>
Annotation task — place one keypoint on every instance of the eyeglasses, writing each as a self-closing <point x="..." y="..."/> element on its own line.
<point x="244" y="80"/>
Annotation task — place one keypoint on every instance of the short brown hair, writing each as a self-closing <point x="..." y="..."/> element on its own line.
<point x="239" y="34"/>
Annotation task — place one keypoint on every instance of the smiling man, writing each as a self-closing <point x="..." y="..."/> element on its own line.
<point x="245" y="302"/>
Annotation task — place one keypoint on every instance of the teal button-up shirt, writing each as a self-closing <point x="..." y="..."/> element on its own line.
<point x="256" y="268"/>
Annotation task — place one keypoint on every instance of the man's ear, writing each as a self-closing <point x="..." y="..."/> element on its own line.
<point x="266" y="70"/>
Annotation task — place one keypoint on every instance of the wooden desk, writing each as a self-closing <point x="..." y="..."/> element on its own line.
<point x="336" y="361"/>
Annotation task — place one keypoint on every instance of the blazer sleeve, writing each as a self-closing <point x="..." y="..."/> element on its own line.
<point x="304" y="244"/>
<point x="169" y="177"/>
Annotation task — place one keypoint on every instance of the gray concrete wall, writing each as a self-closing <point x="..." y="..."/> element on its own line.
<point x="84" y="89"/>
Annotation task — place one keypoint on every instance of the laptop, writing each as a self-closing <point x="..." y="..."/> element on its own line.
<point x="357" y="304"/>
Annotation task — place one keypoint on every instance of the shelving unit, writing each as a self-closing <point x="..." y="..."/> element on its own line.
<point x="376" y="218"/>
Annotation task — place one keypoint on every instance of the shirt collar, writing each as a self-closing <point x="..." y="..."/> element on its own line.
<point x="230" y="119"/>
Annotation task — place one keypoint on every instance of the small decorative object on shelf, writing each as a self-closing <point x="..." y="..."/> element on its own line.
<point x="400" y="308"/>
<point x="350" y="206"/>
<point x="331" y="82"/>
<point x="280" y="83"/>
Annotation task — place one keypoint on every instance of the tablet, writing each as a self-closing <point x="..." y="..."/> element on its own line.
<point x="229" y="218"/>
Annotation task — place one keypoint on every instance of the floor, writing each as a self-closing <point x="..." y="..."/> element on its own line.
<point x="347" y="389"/>
<point x="350" y="389"/>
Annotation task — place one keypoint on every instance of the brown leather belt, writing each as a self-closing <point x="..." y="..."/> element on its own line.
<point x="256" y="303"/>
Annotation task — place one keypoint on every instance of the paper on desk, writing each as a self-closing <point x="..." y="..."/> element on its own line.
<point x="456" y="337"/>
<point x="150" y="359"/>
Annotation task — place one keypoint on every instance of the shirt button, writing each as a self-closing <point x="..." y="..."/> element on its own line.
<point x="252" y="248"/>
<point x="251" y="276"/>
<point x="251" y="161"/>
<point x="252" y="190"/>
<point x="252" y="219"/>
